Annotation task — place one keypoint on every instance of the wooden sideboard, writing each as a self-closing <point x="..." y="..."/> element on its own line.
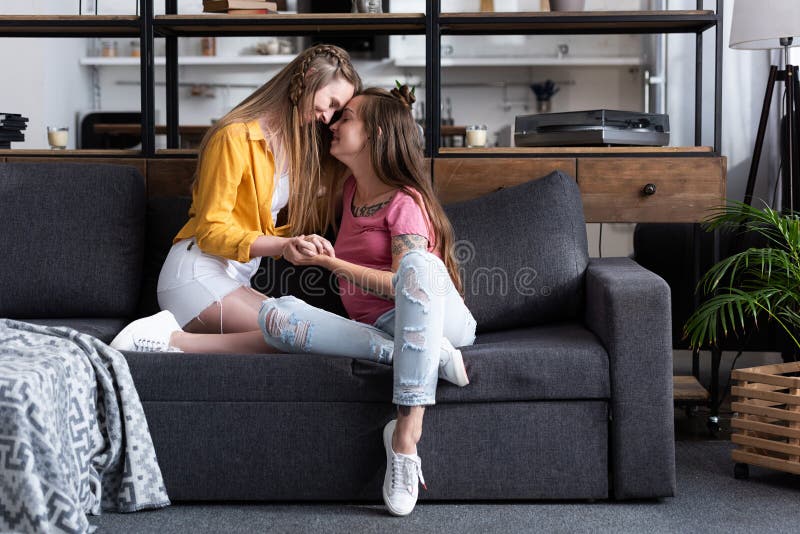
<point x="616" y="185"/>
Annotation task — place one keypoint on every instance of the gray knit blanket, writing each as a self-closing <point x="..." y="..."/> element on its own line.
<point x="73" y="435"/>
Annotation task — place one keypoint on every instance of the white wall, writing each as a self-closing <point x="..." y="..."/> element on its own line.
<point x="744" y="81"/>
<point x="42" y="78"/>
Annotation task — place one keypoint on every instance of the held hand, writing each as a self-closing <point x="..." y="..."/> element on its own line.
<point x="296" y="250"/>
<point x="302" y="245"/>
<point x="322" y="245"/>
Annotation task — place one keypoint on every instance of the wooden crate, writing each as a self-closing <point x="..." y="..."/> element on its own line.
<point x="766" y="422"/>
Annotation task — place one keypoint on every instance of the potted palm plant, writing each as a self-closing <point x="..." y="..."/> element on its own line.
<point x="754" y="284"/>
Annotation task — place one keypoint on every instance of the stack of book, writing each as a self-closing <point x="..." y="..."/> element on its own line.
<point x="11" y="126"/>
<point x="240" y="7"/>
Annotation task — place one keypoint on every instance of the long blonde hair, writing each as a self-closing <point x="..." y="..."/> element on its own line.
<point x="288" y="99"/>
<point x="398" y="161"/>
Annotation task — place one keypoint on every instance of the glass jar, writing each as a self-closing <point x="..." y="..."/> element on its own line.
<point x="476" y="135"/>
<point x="108" y="49"/>
<point x="208" y="46"/>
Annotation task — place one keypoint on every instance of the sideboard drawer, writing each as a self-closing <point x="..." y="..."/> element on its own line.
<point x="653" y="189"/>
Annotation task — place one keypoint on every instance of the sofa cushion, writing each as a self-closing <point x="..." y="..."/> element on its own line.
<point x="556" y="361"/>
<point x="317" y="287"/>
<point x="72" y="240"/>
<point x="165" y="217"/>
<point x="104" y="329"/>
<point x="523" y="253"/>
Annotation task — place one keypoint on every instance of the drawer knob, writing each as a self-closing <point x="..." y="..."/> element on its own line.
<point x="649" y="189"/>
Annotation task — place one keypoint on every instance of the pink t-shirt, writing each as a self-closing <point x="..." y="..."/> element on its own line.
<point x="367" y="241"/>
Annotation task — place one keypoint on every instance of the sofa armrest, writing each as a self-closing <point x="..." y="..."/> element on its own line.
<point x="628" y="308"/>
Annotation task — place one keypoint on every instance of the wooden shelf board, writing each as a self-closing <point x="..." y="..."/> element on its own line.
<point x="526" y="61"/>
<point x="69" y="25"/>
<point x="30" y="152"/>
<point x="509" y="151"/>
<point x="574" y="22"/>
<point x="579" y="150"/>
<point x="183" y="152"/>
<point x="277" y="59"/>
<point x="290" y="24"/>
<point x="687" y="388"/>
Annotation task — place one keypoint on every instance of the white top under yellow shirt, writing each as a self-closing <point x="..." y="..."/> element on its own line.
<point x="232" y="195"/>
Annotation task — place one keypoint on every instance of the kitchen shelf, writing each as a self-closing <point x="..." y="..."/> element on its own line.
<point x="27" y="152"/>
<point x="69" y="26"/>
<point x="290" y="24"/>
<point x="278" y="59"/>
<point x="576" y="22"/>
<point x="553" y="61"/>
<point x="579" y="150"/>
<point x="433" y="24"/>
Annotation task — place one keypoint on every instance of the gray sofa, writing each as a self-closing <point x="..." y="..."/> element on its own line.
<point x="571" y="373"/>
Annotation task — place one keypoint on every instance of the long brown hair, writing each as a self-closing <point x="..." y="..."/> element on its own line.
<point x="398" y="161"/>
<point x="286" y="100"/>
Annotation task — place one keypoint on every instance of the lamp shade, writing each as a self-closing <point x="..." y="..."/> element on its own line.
<point x="759" y="24"/>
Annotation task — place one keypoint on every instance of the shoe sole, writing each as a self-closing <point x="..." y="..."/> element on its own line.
<point x="387" y="446"/>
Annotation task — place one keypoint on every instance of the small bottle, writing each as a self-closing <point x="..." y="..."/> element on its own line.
<point x="108" y="49"/>
<point x="135" y="49"/>
<point x="208" y="46"/>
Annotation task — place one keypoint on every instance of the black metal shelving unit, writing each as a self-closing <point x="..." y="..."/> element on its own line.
<point x="433" y="24"/>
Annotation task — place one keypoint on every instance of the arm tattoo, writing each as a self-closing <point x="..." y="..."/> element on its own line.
<point x="400" y="245"/>
<point x="406" y="242"/>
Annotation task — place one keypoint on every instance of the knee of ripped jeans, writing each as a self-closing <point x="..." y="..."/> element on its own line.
<point x="282" y="326"/>
<point x="408" y="283"/>
<point x="421" y="275"/>
<point x="414" y="338"/>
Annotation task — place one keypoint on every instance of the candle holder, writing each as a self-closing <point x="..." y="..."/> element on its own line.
<point x="476" y="136"/>
<point x="57" y="137"/>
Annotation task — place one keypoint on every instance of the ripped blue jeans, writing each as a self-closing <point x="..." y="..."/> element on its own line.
<point x="408" y="337"/>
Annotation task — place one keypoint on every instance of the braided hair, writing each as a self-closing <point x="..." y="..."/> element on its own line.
<point x="298" y="80"/>
<point x="284" y="104"/>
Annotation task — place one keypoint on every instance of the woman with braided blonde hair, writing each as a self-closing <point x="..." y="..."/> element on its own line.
<point x="269" y="152"/>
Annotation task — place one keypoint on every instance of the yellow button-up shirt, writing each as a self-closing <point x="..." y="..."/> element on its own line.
<point x="232" y="195"/>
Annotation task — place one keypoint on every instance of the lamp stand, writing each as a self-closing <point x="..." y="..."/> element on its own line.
<point x="790" y="151"/>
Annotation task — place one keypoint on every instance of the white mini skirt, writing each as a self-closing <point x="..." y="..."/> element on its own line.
<point x="191" y="280"/>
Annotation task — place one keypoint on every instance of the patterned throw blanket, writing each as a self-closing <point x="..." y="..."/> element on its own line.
<point x="73" y="435"/>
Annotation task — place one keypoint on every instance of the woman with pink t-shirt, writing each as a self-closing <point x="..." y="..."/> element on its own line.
<point x="397" y="276"/>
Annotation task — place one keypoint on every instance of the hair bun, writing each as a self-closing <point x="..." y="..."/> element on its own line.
<point x="404" y="94"/>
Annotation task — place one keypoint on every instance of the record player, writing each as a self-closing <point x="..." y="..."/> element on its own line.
<point x="599" y="127"/>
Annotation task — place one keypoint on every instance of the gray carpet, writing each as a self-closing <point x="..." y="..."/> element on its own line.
<point x="709" y="500"/>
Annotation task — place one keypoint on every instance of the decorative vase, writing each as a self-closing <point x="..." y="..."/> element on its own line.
<point x="567" y="5"/>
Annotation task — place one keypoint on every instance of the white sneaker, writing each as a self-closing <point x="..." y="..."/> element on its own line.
<point x="451" y="364"/>
<point x="150" y="334"/>
<point x="403" y="476"/>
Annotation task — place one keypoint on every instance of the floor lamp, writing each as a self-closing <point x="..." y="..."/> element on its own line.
<point x="765" y="25"/>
